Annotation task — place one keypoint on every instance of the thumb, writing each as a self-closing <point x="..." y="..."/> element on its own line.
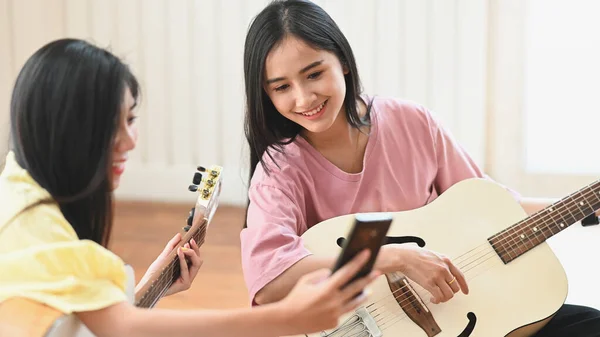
<point x="171" y="244"/>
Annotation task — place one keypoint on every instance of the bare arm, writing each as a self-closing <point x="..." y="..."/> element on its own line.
<point x="279" y="287"/>
<point x="126" y="320"/>
<point x="532" y="205"/>
<point x="389" y="259"/>
<point x="315" y="303"/>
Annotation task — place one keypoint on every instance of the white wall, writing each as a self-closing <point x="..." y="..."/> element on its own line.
<point x="188" y="56"/>
<point x="526" y="103"/>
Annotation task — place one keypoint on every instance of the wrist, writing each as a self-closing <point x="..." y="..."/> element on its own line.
<point x="278" y="316"/>
<point x="391" y="259"/>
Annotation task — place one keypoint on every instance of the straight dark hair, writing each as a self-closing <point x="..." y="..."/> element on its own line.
<point x="65" y="110"/>
<point x="265" y="128"/>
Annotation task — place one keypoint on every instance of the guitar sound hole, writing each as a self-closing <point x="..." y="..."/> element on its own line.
<point x="470" y="326"/>
<point x="392" y="239"/>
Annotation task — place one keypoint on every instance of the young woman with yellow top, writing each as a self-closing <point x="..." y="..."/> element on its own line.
<point x="72" y="126"/>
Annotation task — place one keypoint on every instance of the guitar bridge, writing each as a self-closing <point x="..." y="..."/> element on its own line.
<point x="361" y="324"/>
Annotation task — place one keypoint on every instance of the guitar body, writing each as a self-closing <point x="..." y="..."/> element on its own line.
<point x="514" y="299"/>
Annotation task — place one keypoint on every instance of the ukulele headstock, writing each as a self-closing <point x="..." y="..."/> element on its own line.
<point x="207" y="183"/>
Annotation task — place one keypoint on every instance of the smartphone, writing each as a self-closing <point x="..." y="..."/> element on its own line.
<point x="368" y="232"/>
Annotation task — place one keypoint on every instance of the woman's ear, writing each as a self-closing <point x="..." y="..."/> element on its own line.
<point x="345" y="69"/>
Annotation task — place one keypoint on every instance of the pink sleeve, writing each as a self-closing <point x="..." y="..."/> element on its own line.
<point x="454" y="163"/>
<point x="270" y="244"/>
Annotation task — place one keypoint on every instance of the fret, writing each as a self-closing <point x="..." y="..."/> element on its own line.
<point x="586" y="196"/>
<point x="542" y="224"/>
<point x="566" y="206"/>
<point x="596" y="193"/>
<point x="591" y="199"/>
<point x="509" y="239"/>
<point x="529" y="240"/>
<point x="504" y="244"/>
<point x="578" y="204"/>
<point x="525" y="237"/>
<point x="550" y="227"/>
<point x="560" y="225"/>
<point x="559" y="218"/>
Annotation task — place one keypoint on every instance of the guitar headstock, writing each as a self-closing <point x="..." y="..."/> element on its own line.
<point x="207" y="183"/>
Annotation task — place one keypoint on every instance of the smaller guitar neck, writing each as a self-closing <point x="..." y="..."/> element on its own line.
<point x="157" y="287"/>
<point x="528" y="233"/>
<point x="209" y="190"/>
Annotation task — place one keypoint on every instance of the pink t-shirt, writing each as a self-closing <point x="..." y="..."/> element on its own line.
<point x="409" y="160"/>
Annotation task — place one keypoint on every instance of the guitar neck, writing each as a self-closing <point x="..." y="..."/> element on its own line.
<point x="157" y="286"/>
<point x="518" y="239"/>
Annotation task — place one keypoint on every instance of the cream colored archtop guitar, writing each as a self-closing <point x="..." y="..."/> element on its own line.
<point x="516" y="282"/>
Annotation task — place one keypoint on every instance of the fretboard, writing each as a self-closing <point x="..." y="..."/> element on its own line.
<point x="523" y="236"/>
<point x="169" y="275"/>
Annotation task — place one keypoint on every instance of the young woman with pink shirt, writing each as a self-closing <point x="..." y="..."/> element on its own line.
<point x="319" y="148"/>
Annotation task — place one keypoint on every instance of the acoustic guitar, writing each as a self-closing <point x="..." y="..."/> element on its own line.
<point x="516" y="282"/>
<point x="27" y="318"/>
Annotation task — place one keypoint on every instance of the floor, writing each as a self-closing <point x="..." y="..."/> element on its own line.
<point x="142" y="229"/>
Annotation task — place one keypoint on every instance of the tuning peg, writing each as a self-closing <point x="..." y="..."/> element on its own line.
<point x="189" y="219"/>
<point x="193" y="188"/>
<point x="197" y="178"/>
<point x="201" y="169"/>
<point x="214" y="173"/>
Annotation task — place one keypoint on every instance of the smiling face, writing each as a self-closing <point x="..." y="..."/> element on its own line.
<point x="306" y="85"/>
<point x="125" y="140"/>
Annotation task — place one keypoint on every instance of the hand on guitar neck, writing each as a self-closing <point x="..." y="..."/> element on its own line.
<point x="190" y="262"/>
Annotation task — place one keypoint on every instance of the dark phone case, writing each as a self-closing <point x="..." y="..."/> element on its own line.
<point x="369" y="231"/>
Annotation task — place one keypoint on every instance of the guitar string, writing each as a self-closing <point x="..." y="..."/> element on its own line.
<point x="490" y="251"/>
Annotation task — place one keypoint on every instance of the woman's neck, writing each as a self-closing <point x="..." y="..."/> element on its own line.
<point x="342" y="145"/>
<point x="340" y="135"/>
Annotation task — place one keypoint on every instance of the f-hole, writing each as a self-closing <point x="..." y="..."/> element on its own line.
<point x="392" y="239"/>
<point x="470" y="327"/>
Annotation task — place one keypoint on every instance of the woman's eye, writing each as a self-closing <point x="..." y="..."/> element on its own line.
<point x="132" y="119"/>
<point x="281" y="87"/>
<point x="315" y="75"/>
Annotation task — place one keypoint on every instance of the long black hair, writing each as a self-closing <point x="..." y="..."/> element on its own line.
<point x="65" y="110"/>
<point x="264" y="127"/>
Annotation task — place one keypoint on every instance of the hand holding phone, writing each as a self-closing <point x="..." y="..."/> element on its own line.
<point x="368" y="232"/>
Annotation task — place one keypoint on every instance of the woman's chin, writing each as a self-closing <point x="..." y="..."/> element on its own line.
<point x="115" y="184"/>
